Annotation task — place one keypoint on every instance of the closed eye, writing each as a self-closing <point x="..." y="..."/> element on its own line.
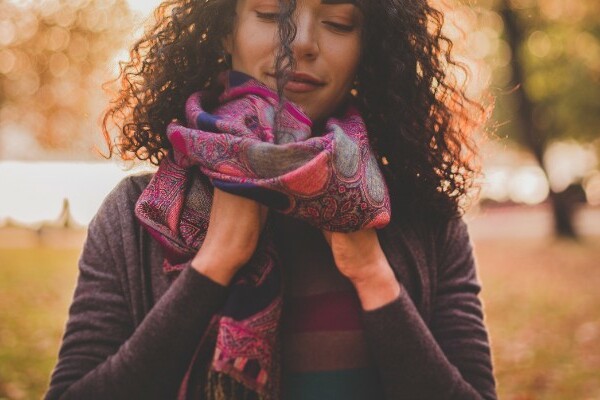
<point x="267" y="16"/>
<point x="340" y="27"/>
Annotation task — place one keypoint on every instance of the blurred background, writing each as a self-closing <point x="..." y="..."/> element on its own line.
<point x="535" y="227"/>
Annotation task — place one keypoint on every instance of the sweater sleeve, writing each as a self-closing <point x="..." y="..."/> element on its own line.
<point x="451" y="358"/>
<point x="102" y="355"/>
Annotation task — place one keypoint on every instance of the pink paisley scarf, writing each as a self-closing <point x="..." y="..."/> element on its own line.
<point x="331" y="181"/>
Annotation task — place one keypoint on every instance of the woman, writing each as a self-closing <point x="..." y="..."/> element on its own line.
<point x="320" y="252"/>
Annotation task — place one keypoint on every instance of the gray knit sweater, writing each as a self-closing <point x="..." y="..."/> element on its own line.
<point x="131" y="332"/>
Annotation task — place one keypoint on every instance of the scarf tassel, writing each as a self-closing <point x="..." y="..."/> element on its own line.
<point x="220" y="386"/>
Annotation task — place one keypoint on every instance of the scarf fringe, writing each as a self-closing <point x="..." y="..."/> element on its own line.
<point x="220" y="386"/>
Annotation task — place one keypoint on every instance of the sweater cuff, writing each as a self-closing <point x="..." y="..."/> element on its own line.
<point x="192" y="282"/>
<point x="385" y="309"/>
<point x="202" y="279"/>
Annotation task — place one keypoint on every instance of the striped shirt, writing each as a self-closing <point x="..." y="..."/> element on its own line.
<point x="324" y="354"/>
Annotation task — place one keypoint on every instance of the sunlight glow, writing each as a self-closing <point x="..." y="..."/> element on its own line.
<point x="144" y="6"/>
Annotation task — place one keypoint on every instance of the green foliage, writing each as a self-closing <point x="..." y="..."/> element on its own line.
<point x="561" y="60"/>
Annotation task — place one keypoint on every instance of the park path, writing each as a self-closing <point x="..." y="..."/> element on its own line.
<point x="484" y="224"/>
<point x="527" y="222"/>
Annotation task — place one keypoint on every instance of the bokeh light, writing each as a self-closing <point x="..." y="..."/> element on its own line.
<point x="54" y="57"/>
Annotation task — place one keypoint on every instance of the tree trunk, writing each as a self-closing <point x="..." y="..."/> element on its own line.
<point x="563" y="210"/>
<point x="563" y="205"/>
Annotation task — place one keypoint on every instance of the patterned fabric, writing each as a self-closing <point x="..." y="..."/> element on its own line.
<point x="330" y="181"/>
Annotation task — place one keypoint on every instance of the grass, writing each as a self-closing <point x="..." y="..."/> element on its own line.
<point x="36" y="287"/>
<point x="540" y="297"/>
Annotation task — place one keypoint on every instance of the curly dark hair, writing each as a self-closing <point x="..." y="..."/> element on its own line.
<point x="420" y="121"/>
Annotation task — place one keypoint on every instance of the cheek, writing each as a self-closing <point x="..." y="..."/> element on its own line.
<point x="252" y="45"/>
<point x="344" y="61"/>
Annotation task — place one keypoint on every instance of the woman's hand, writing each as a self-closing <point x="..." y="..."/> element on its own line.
<point x="233" y="231"/>
<point x="359" y="257"/>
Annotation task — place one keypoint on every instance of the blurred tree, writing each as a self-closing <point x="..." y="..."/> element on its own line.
<point x="554" y="68"/>
<point x="54" y="55"/>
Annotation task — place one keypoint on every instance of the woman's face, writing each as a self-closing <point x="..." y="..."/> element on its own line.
<point x="326" y="48"/>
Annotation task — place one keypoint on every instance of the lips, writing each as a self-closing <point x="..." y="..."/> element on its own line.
<point x="305" y="78"/>
<point x="301" y="82"/>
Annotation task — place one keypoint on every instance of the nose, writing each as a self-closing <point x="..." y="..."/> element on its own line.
<point x="305" y="44"/>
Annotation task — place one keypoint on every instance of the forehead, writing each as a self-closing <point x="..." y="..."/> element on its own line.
<point x="300" y="3"/>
